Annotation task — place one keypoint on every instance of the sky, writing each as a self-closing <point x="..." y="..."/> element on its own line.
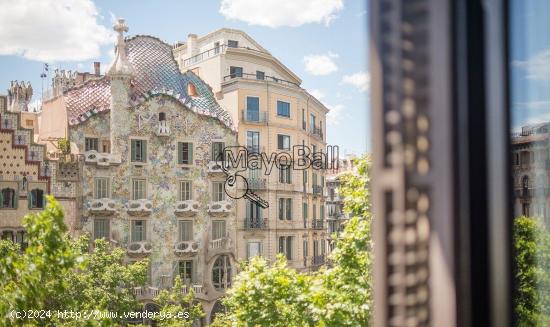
<point x="323" y="41"/>
<point x="530" y="62"/>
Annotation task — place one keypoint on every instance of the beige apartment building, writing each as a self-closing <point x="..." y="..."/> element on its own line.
<point x="272" y="113"/>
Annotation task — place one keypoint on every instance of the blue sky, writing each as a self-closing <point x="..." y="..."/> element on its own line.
<point x="530" y="62"/>
<point x="332" y="34"/>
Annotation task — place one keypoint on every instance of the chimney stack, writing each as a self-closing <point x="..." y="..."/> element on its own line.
<point x="192" y="48"/>
<point x="97" y="66"/>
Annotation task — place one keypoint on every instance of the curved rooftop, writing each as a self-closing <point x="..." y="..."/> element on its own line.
<point x="155" y="72"/>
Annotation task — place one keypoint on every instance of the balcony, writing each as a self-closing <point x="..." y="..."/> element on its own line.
<point x="146" y="292"/>
<point x="197" y="289"/>
<point x="186" y="208"/>
<point x="186" y="247"/>
<point x="317" y="189"/>
<point x="255" y="223"/>
<point x="317" y="224"/>
<point x="248" y="76"/>
<point x="223" y="243"/>
<point x="220" y="208"/>
<point x="163" y="128"/>
<point x="253" y="116"/>
<point x="141" y="247"/>
<point x="102" y="207"/>
<point x="256" y="183"/>
<point x="318" y="260"/>
<point x="317" y="132"/>
<point x="216" y="167"/>
<point x="102" y="159"/>
<point x="141" y="207"/>
<point x="204" y="55"/>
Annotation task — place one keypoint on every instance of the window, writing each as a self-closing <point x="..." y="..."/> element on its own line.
<point x="221" y="273"/>
<point x="253" y="142"/>
<point x="305" y="247"/>
<point x="235" y="71"/>
<point x="311" y="122"/>
<point x="139" y="151"/>
<point x="283" y="142"/>
<point x="285" y="208"/>
<point x="304" y="214"/>
<point x="253" y="214"/>
<point x="185" y="191"/>
<point x="139" y="190"/>
<point x="285" y="246"/>
<point x="216" y="47"/>
<point x="218" y="229"/>
<point x="232" y="44"/>
<point x="101" y="188"/>
<point x="253" y="249"/>
<point x="185" y="230"/>
<point x="253" y="109"/>
<point x="218" y="193"/>
<point x="284" y="174"/>
<point x="191" y="89"/>
<point x="185" y="153"/>
<point x="102" y="229"/>
<point x="90" y="144"/>
<point x="186" y="272"/>
<point x="303" y="119"/>
<point x="322" y="211"/>
<point x="162" y="116"/>
<point x="217" y="151"/>
<point x="260" y="75"/>
<point x="283" y="109"/>
<point x="8" y="198"/>
<point x="304" y="177"/>
<point x="36" y="200"/>
<point x="105" y="146"/>
<point x="138" y="232"/>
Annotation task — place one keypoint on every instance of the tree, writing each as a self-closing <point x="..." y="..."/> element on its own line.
<point x="264" y="295"/>
<point x="57" y="273"/>
<point x="64" y="146"/>
<point x="532" y="247"/>
<point x="275" y="295"/>
<point x="173" y="302"/>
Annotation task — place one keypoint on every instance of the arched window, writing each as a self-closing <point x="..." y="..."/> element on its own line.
<point x="221" y="273"/>
<point x="36" y="199"/>
<point x="162" y="116"/>
<point x="191" y="89"/>
<point x="7" y="198"/>
<point x="217" y="309"/>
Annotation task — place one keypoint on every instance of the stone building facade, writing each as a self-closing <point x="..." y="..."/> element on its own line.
<point x="147" y="135"/>
<point x="273" y="113"/>
<point x="27" y="176"/>
<point x="531" y="171"/>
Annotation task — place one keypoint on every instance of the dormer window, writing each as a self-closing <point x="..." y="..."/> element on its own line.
<point x="162" y="116"/>
<point x="191" y="89"/>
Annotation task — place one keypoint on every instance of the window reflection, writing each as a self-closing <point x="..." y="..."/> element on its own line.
<point x="530" y="148"/>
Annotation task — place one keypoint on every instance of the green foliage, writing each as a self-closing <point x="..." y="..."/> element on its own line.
<point x="532" y="246"/>
<point x="57" y="273"/>
<point x="274" y="295"/>
<point x="173" y="302"/>
<point x="264" y="295"/>
<point x="64" y="146"/>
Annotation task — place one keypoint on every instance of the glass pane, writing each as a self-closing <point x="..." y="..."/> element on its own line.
<point x="530" y="144"/>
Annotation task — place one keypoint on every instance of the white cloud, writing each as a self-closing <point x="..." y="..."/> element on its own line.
<point x="360" y="80"/>
<point x="277" y="13"/>
<point x="534" y="105"/>
<point x="335" y="114"/>
<point x="52" y="30"/>
<point x="317" y="94"/>
<point x="537" y="67"/>
<point x="322" y="64"/>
